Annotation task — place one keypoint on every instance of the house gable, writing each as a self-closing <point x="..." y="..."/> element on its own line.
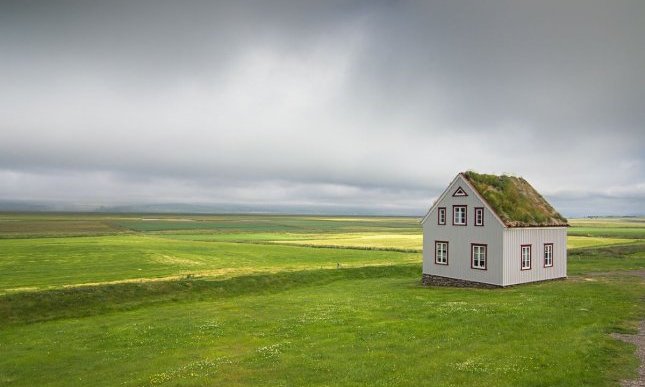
<point x="463" y="245"/>
<point x="464" y="189"/>
<point x="461" y="185"/>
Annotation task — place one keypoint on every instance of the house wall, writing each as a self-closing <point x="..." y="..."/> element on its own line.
<point x="514" y="238"/>
<point x="459" y="239"/>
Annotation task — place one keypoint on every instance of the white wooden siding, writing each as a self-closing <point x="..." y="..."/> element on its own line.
<point x="459" y="239"/>
<point x="503" y="258"/>
<point x="514" y="238"/>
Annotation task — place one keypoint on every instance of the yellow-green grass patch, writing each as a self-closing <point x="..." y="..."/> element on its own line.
<point x="574" y="242"/>
<point x="46" y="263"/>
<point x="362" y="240"/>
<point x="635" y="222"/>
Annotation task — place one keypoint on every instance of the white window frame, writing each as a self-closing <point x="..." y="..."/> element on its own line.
<point x="525" y="257"/>
<point x="478" y="256"/>
<point x="463" y="219"/>
<point x="479" y="216"/>
<point x="548" y="255"/>
<point x="441" y="252"/>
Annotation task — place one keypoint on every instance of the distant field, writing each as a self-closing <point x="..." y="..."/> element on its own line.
<point x="609" y="227"/>
<point x="364" y="240"/>
<point x="242" y="223"/>
<point x="138" y="299"/>
<point x="44" y="263"/>
<point x="275" y="227"/>
<point x="41" y="251"/>
<point x="404" y="240"/>
<point x="635" y="222"/>
<point x="574" y="242"/>
<point x="25" y="228"/>
<point x="415" y="242"/>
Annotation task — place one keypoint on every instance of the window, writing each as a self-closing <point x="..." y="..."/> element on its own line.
<point x="459" y="215"/>
<point x="460" y="192"/>
<point x="526" y="257"/>
<point x="441" y="215"/>
<point x="441" y="253"/>
<point x="478" y="256"/>
<point x="479" y="216"/>
<point x="548" y="254"/>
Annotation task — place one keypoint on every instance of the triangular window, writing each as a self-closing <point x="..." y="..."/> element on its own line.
<point x="460" y="192"/>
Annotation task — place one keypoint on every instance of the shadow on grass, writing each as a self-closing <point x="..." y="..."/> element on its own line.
<point x="30" y="307"/>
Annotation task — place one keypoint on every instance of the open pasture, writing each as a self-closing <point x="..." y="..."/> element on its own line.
<point x="44" y="263"/>
<point x="288" y="300"/>
<point x="608" y="227"/>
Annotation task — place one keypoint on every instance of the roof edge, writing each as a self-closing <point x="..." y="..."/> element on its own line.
<point x="510" y="224"/>
<point x="483" y="200"/>
<point x="445" y="191"/>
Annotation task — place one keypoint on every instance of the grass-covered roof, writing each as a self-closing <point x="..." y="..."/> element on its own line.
<point x="515" y="201"/>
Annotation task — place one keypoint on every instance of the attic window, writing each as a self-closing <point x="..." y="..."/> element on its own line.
<point x="459" y="215"/>
<point x="441" y="216"/>
<point x="460" y="192"/>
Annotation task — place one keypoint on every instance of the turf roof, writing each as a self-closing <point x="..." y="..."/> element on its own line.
<point x="515" y="201"/>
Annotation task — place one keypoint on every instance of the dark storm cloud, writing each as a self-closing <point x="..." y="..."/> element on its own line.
<point x="360" y="104"/>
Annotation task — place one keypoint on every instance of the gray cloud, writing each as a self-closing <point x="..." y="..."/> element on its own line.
<point x="357" y="104"/>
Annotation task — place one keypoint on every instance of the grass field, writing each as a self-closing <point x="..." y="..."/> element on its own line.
<point x="286" y="300"/>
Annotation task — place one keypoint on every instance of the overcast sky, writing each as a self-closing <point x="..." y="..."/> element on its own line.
<point x="361" y="105"/>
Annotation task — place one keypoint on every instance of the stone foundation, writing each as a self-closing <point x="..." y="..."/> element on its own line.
<point x="435" y="280"/>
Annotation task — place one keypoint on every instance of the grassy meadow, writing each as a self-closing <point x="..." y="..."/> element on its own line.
<point x="140" y="299"/>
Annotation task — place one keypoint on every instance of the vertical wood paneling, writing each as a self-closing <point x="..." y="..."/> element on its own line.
<point x="536" y="237"/>
<point x="504" y="245"/>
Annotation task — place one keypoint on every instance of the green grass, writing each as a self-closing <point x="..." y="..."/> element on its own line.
<point x="241" y="223"/>
<point x="405" y="242"/>
<point x="375" y="240"/>
<point x="358" y="328"/>
<point x="614" y="259"/>
<point x="32" y="264"/>
<point x="614" y="232"/>
<point x="576" y="242"/>
<point x="231" y="306"/>
<point x="59" y="228"/>
<point x="633" y="228"/>
<point x="13" y="225"/>
<point x="411" y="242"/>
<point x="633" y="222"/>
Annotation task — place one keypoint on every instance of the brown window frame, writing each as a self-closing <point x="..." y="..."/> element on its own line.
<point x="439" y="216"/>
<point x="522" y="268"/>
<point x="482" y="212"/>
<point x="472" y="256"/>
<point x="465" y="215"/>
<point x="447" y="253"/>
<point x="544" y="254"/>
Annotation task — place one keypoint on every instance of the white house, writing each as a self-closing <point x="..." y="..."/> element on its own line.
<point x="490" y="231"/>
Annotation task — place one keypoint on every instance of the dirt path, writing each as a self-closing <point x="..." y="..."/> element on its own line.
<point x="639" y="341"/>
